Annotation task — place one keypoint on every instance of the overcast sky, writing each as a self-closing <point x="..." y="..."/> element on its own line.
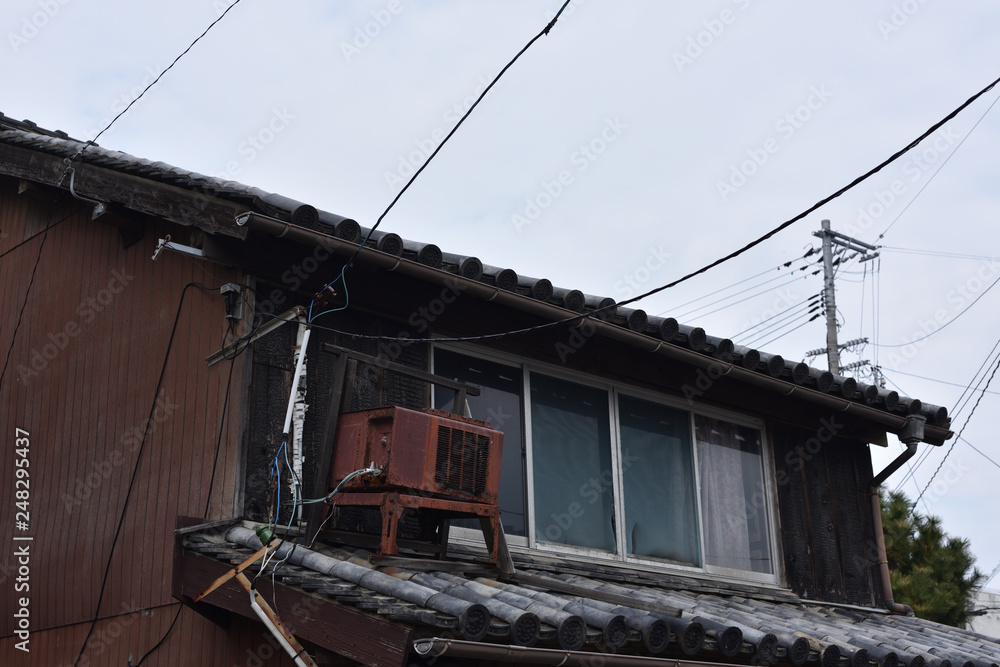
<point x="636" y="142"/>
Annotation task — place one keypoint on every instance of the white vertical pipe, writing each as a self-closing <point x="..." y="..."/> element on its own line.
<point x="299" y="407"/>
<point x="266" y="620"/>
<point x="295" y="379"/>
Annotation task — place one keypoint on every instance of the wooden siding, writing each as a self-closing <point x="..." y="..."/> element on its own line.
<point x="126" y="637"/>
<point x="825" y="513"/>
<point x="81" y="375"/>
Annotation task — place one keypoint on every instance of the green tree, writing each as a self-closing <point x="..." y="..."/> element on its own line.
<point x="930" y="571"/>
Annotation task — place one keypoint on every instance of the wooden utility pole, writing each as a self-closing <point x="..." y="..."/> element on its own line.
<point x="831" y="238"/>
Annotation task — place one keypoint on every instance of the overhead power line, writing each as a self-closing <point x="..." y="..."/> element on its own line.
<point x="797" y="313"/>
<point x="936" y="253"/>
<point x="951" y="384"/>
<point x="795" y="307"/>
<point x="736" y="253"/>
<point x="364" y="242"/>
<point x="959" y="436"/>
<point x="939" y="168"/>
<point x="946" y="324"/>
<point x="790" y="331"/>
<point x="788" y="280"/>
<point x="153" y="82"/>
<point x="786" y="265"/>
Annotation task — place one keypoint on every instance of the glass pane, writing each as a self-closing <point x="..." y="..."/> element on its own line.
<point x="733" y="499"/>
<point x="499" y="403"/>
<point x="661" y="515"/>
<point x="571" y="451"/>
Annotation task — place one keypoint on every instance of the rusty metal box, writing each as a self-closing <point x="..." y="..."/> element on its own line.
<point x="429" y="451"/>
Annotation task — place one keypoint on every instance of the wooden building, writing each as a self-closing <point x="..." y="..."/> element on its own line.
<point x="664" y="495"/>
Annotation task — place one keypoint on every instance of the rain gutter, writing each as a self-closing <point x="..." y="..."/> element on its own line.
<point x="719" y="368"/>
<point x="436" y="647"/>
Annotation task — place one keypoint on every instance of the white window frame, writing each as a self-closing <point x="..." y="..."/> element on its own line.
<point x="614" y="390"/>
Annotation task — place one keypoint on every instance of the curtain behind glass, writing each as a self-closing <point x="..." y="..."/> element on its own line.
<point x="661" y="517"/>
<point x="498" y="403"/>
<point x="571" y="452"/>
<point x="732" y="495"/>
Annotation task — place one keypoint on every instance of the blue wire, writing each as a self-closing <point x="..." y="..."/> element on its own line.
<point x="295" y="490"/>
<point x="275" y="469"/>
<point x="347" y="301"/>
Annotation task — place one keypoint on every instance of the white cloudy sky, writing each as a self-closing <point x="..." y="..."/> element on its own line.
<point x="673" y="99"/>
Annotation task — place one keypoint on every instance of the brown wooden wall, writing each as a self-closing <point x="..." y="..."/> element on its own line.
<point x="825" y="513"/>
<point x="81" y="376"/>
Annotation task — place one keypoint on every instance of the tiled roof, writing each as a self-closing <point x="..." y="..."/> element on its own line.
<point x="619" y="611"/>
<point x="27" y="135"/>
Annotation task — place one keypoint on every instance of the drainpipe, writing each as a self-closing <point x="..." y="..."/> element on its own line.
<point x="912" y="433"/>
<point x="436" y="647"/>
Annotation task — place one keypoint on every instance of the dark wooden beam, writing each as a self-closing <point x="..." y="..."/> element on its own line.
<point x="470" y="389"/>
<point x="169" y="202"/>
<point x="314" y="513"/>
<point x="348" y="632"/>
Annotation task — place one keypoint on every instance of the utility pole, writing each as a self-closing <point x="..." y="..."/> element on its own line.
<point x="831" y="238"/>
<point x="829" y="295"/>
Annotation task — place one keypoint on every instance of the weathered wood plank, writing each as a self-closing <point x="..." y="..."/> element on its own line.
<point x="169" y="202"/>
<point x="368" y="639"/>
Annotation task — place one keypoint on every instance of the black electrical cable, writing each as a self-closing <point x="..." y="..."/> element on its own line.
<point x="151" y="84"/>
<point x="934" y="253"/>
<point x="364" y="242"/>
<point x="951" y="384"/>
<point x="946" y="324"/>
<point x="970" y="390"/>
<point x="736" y="253"/>
<point x="788" y="278"/>
<point x="959" y="436"/>
<point x="939" y="168"/>
<point x="796" y="315"/>
<point x="738" y="283"/>
<point x="35" y="236"/>
<point x="135" y="469"/>
<point x="790" y="331"/>
<point x="31" y="280"/>
<point x="208" y="503"/>
<point x="796" y="306"/>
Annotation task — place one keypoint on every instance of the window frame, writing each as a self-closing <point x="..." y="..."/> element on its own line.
<point x="614" y="390"/>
